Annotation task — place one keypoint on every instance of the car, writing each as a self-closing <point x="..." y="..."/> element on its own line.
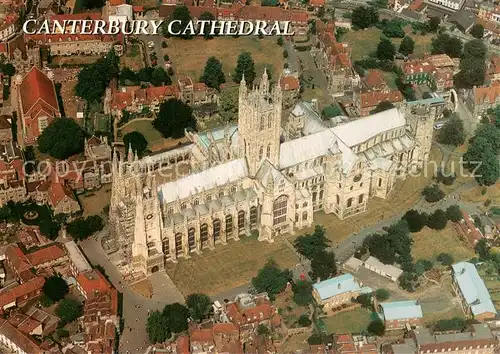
<point x="151" y="44"/>
<point x="438" y="126"/>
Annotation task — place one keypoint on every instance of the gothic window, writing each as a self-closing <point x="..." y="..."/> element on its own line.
<point x="338" y="200"/>
<point x="357" y="178"/>
<point x="191" y="239"/>
<point x="204" y="234"/>
<point x="380" y="182"/>
<point x="280" y="210"/>
<point x="315" y="195"/>
<point x="270" y="120"/>
<point x="170" y="211"/>
<point x="241" y="220"/>
<point x="233" y="189"/>
<point x="401" y="157"/>
<point x="268" y="152"/>
<point x="304" y="205"/>
<point x="296" y="217"/>
<point x="165" y="247"/>
<point x="349" y="202"/>
<point x="209" y="198"/>
<point x="221" y="193"/>
<point x="320" y="195"/>
<point x="411" y="154"/>
<point x="253" y="216"/>
<point x="261" y="153"/>
<point x="183" y="206"/>
<point x="196" y="202"/>
<point x="178" y="244"/>
<point x="262" y="123"/>
<point x="216" y="229"/>
<point x="304" y="216"/>
<point x="229" y="224"/>
<point x="360" y="199"/>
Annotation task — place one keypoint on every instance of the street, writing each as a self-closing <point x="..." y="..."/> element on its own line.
<point x="134" y="338"/>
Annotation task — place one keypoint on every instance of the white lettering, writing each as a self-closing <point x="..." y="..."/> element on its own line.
<point x="99" y="27"/>
<point x="156" y="25"/>
<point x="86" y="27"/>
<point x="44" y="28"/>
<point x="189" y="30"/>
<point x="231" y="28"/>
<point x="170" y="29"/>
<point x="141" y="27"/>
<point x="25" y="27"/>
<point x="243" y="25"/>
<point x="260" y="28"/>
<point x="114" y="27"/>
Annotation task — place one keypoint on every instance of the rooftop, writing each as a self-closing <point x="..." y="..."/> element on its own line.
<point x="77" y="257"/>
<point x="336" y="286"/>
<point x="400" y="310"/>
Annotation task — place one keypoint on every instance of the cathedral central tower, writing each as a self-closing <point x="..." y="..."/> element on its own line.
<point x="259" y="123"/>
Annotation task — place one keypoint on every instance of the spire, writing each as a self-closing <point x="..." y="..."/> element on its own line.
<point x="130" y="155"/>
<point x="136" y="157"/>
<point x="243" y="82"/>
<point x="264" y="82"/>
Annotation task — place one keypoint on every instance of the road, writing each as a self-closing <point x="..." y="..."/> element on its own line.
<point x="156" y="39"/>
<point x="134" y="338"/>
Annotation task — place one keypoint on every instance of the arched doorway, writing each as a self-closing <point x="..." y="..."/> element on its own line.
<point x="191" y="240"/>
<point x="280" y="207"/>
<point x="241" y="220"/>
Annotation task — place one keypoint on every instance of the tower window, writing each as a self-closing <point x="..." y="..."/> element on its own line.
<point x="268" y="152"/>
<point x="270" y="120"/>
<point x="261" y="153"/>
<point x="262" y="123"/>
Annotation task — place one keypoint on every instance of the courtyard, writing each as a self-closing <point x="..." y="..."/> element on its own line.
<point x="351" y="321"/>
<point x="133" y="58"/>
<point x="68" y="79"/>
<point x="188" y="59"/>
<point x="145" y="127"/>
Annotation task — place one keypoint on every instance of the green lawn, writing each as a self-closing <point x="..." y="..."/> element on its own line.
<point x="145" y="128"/>
<point x="354" y="321"/>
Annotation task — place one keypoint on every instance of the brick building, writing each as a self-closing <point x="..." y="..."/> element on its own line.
<point x="337" y="291"/>
<point x="21" y="294"/>
<point x="400" y="314"/>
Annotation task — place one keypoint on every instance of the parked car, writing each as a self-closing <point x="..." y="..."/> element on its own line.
<point x="151" y="44"/>
<point x="438" y="126"/>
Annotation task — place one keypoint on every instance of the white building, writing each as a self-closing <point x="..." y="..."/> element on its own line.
<point x="451" y="4"/>
<point x="385" y="270"/>
<point x="78" y="262"/>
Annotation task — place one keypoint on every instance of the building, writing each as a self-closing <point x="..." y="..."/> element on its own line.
<point x="463" y="19"/>
<point x="450" y="4"/>
<point x="62" y="200"/>
<point x="77" y="260"/>
<point x="37" y="104"/>
<point x="435" y="71"/>
<point x="478" y="340"/>
<point x="17" y="261"/>
<point x="17" y="341"/>
<point x="401" y="314"/>
<point x="349" y="344"/>
<point x="485" y="98"/>
<point x="366" y="102"/>
<point x="5" y="129"/>
<point x="489" y="12"/>
<point x="470" y="288"/>
<point x="494" y="69"/>
<point x="468" y="229"/>
<point x="47" y="257"/>
<point x="334" y="59"/>
<point x="93" y="283"/>
<point x="290" y="85"/>
<point x="335" y="292"/>
<point x="386" y="270"/>
<point x="21" y="294"/>
<point x="244" y="178"/>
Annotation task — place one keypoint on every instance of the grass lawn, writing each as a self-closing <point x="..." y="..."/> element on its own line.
<point x="354" y="321"/>
<point x="390" y="79"/>
<point x="187" y="58"/>
<point x="430" y="318"/>
<point x="144" y="127"/>
<point x="405" y="194"/>
<point x="428" y="244"/>
<point x="364" y="42"/>
<point x="93" y="203"/>
<point x="475" y="194"/>
<point x="132" y="58"/>
<point x="228" y="266"/>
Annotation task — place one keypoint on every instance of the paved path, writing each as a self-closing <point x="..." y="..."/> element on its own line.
<point x="135" y="306"/>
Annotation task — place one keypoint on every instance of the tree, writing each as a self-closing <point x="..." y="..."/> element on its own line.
<point x="437" y="220"/>
<point x="482" y="248"/>
<point x="376" y="327"/>
<point x="69" y="310"/>
<point x="323" y="265"/>
<point x="477" y="31"/>
<point x="472" y="65"/>
<point x="382" y="106"/>
<point x="81" y="228"/>
<point x="302" y="293"/>
<point x="136" y="141"/>
<point x="45" y="301"/>
<point x="94" y="79"/>
<point x="279" y="41"/>
<point x="331" y="111"/>
<point x="49" y="228"/>
<point x="271" y="279"/>
<point x="263" y="330"/>
<point x="407" y="45"/>
<point x="199" y="306"/>
<point x="304" y="321"/>
<point x="157" y="327"/>
<point x="8" y="69"/>
<point x="207" y="16"/>
<point x="363" y="17"/>
<point x="416" y="220"/>
<point x="176" y="316"/>
<point x="475" y="49"/>
<point x="453" y="132"/>
<point x="365" y="300"/>
<point x="228" y="104"/>
<point x="62" y="139"/>
<point x="393" y="29"/>
<point x="382" y="294"/>
<point x="446" y="44"/>
<point x="55" y="288"/>
<point x="385" y="49"/>
<point x="453" y="213"/>
<point x="93" y="4"/>
<point x="212" y="74"/>
<point x="454" y="324"/>
<point x="160" y="77"/>
<point x="422" y="266"/>
<point x="174" y="117"/>
<point x="244" y="66"/>
<point x="432" y="193"/>
<point x="310" y="244"/>
<point x="488" y="172"/>
<point x="445" y="259"/>
<point x="433" y="24"/>
<point x="182" y="18"/>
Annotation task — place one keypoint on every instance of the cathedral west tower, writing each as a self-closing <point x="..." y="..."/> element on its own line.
<point x="259" y="123"/>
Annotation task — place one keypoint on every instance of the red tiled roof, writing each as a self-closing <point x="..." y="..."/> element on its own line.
<point x="201" y="335"/>
<point x="10" y="295"/>
<point x="182" y="344"/>
<point x="37" y="88"/>
<point x="137" y="8"/>
<point x="224" y="327"/>
<point x="371" y="99"/>
<point x="17" y="259"/>
<point x="488" y="93"/>
<point x="338" y="54"/>
<point x="116" y="2"/>
<point x="93" y="283"/>
<point x="289" y="83"/>
<point x="58" y="192"/>
<point x="374" y="80"/>
<point x="44" y="255"/>
<point x="25" y="343"/>
<point x="317" y="3"/>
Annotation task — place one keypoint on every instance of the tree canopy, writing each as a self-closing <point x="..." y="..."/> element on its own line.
<point x="416" y="220"/>
<point x="81" y="228"/>
<point x="394" y="29"/>
<point x="407" y="45"/>
<point x="228" y="104"/>
<point x="376" y="327"/>
<point x="199" y="305"/>
<point x="62" y="139"/>
<point x="477" y="31"/>
<point x="472" y="65"/>
<point x="453" y="213"/>
<point x="69" y="310"/>
<point x="453" y="132"/>
<point x="207" y="16"/>
<point x="309" y="244"/>
<point x="481" y="157"/>
<point x="271" y="279"/>
<point x="323" y="265"/>
<point x="157" y="327"/>
<point x="432" y="193"/>
<point x="49" y="228"/>
<point x="446" y="44"/>
<point x="182" y="17"/>
<point x="93" y="4"/>
<point x="437" y="220"/>
<point x="174" y="117"/>
<point x="55" y="288"/>
<point x="364" y="16"/>
<point x="212" y="74"/>
<point x="445" y="259"/>
<point x="135" y="140"/>
<point x="176" y="316"/>
<point x="392" y="246"/>
<point x="244" y="66"/>
<point x="385" y="49"/>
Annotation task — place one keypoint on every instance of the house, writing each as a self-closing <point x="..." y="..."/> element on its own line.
<point x="62" y="200"/>
<point x="478" y="340"/>
<point x="463" y="19"/>
<point x="400" y="314"/>
<point x="290" y="86"/>
<point x="494" y="69"/>
<point x="366" y="102"/>
<point x="374" y="81"/>
<point x="5" y="129"/>
<point x="470" y="288"/>
<point x="485" y="98"/>
<point x="37" y="104"/>
<point x="467" y="228"/>
<point x="349" y="344"/>
<point x="17" y="261"/>
<point x="77" y="260"/>
<point x="25" y="324"/>
<point x="435" y="71"/>
<point x="47" y="257"/>
<point x="17" y="341"/>
<point x="386" y="270"/>
<point x="337" y="291"/>
<point x="17" y="295"/>
<point x="449" y="4"/>
<point x="91" y="284"/>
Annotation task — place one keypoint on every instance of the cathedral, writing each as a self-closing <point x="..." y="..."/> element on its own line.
<point x="260" y="177"/>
